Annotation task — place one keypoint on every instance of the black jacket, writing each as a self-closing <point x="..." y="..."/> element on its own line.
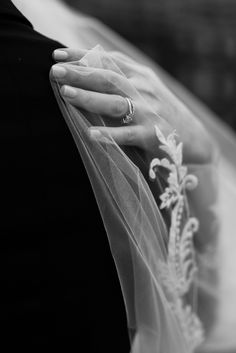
<point x="59" y="283"/>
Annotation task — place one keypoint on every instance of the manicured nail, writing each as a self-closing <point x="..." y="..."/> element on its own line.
<point x="95" y="134"/>
<point x="60" y="54"/>
<point x="58" y="71"/>
<point x="68" y="91"/>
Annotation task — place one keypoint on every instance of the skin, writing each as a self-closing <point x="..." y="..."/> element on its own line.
<point x="103" y="91"/>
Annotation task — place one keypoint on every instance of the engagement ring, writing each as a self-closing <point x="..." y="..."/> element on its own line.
<point x="129" y="116"/>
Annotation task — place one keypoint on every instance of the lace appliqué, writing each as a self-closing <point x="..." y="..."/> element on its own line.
<point x="180" y="267"/>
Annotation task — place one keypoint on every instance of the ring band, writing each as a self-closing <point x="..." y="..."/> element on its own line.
<point x="128" y="118"/>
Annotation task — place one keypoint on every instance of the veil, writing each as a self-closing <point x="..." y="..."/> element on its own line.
<point x="161" y="223"/>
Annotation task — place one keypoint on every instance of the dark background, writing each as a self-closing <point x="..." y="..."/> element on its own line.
<point x="194" y="40"/>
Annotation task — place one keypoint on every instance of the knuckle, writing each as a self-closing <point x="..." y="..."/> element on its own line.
<point x="107" y="85"/>
<point x="112" y="82"/>
<point x="119" y="107"/>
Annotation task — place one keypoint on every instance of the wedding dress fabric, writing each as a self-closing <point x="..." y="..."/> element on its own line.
<point x="148" y="308"/>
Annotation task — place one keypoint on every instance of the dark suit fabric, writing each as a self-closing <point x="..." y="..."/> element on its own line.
<point x="58" y="280"/>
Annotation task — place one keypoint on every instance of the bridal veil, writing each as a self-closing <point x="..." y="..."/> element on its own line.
<point x="167" y="226"/>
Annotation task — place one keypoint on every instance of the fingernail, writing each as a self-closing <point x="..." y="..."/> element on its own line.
<point x="60" y="54"/>
<point x="58" y="71"/>
<point x="68" y="91"/>
<point x="95" y="134"/>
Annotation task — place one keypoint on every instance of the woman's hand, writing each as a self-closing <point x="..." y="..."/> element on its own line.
<point x="103" y="91"/>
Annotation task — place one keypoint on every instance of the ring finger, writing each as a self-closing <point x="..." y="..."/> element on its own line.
<point x="110" y="105"/>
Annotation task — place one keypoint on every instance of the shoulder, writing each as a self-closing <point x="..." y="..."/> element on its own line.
<point x="26" y="59"/>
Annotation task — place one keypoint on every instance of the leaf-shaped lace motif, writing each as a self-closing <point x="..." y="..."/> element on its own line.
<point x="180" y="268"/>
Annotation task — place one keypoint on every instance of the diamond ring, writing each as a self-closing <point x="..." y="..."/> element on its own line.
<point x="128" y="118"/>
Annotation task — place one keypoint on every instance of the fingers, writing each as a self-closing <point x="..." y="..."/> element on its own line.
<point x="110" y="105"/>
<point x="99" y="80"/>
<point x="68" y="54"/>
<point x="124" y="135"/>
<point x="124" y="62"/>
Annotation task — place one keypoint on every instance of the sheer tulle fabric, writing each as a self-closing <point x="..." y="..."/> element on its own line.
<point x="136" y="229"/>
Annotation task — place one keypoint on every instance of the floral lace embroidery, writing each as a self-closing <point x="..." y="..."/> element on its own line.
<point x="180" y="268"/>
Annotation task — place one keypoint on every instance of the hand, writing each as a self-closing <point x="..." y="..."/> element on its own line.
<point x="102" y="91"/>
